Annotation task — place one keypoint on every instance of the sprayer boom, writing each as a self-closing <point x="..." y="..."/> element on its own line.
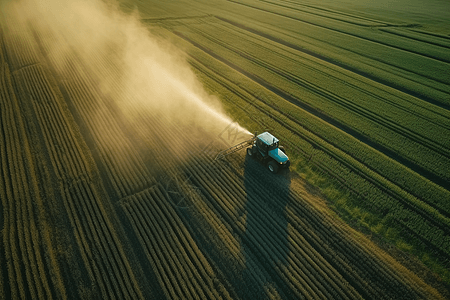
<point x="234" y="148"/>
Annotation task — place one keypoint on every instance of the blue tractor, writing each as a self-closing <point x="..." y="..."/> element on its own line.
<point x="266" y="149"/>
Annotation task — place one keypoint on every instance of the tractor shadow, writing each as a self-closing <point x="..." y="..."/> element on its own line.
<point x="266" y="225"/>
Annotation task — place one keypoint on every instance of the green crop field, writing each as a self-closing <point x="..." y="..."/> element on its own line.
<point x="109" y="187"/>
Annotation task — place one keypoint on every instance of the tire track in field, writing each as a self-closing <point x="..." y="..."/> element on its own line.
<point x="413" y="37"/>
<point x="432" y="34"/>
<point x="357" y="71"/>
<point x="150" y="20"/>
<point x="335" y="12"/>
<point x="360" y="36"/>
<point x="374" y="23"/>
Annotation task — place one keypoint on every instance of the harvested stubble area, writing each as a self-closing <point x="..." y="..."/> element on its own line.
<point x="110" y="118"/>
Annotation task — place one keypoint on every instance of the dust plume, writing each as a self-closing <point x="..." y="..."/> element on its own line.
<point x="134" y="72"/>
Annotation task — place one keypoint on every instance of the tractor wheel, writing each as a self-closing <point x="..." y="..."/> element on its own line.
<point x="282" y="149"/>
<point x="272" y="166"/>
<point x="250" y="152"/>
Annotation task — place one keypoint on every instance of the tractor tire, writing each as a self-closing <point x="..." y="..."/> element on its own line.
<point x="250" y="152"/>
<point x="273" y="167"/>
<point x="282" y="149"/>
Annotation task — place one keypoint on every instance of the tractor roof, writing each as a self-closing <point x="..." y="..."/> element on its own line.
<point x="267" y="138"/>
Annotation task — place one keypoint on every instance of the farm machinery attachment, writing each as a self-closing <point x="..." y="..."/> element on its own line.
<point x="234" y="148"/>
<point x="263" y="147"/>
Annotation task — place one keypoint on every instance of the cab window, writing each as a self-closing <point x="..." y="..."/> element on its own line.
<point x="261" y="145"/>
<point x="273" y="146"/>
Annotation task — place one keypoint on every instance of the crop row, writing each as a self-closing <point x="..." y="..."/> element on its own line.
<point x="345" y="87"/>
<point x="124" y="166"/>
<point x="414" y="183"/>
<point x="329" y="14"/>
<point x="306" y="277"/>
<point x="414" y="35"/>
<point x="230" y="227"/>
<point x="332" y="14"/>
<point x="103" y="255"/>
<point x="353" y="259"/>
<point x="358" y="39"/>
<point x="64" y="150"/>
<point x="268" y="242"/>
<point x="17" y="41"/>
<point x="226" y="196"/>
<point x="331" y="135"/>
<point x="171" y="160"/>
<point x="407" y="42"/>
<point x="327" y="276"/>
<point x="288" y="35"/>
<point x="2" y="188"/>
<point x="98" y="243"/>
<point x="30" y="262"/>
<point x="182" y="270"/>
<point x="297" y="121"/>
<point x="384" y="105"/>
<point x="415" y="149"/>
<point x="377" y="197"/>
<point x="330" y="159"/>
<point x="184" y="197"/>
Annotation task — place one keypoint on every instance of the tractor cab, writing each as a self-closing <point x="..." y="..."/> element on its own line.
<point x="266" y="148"/>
